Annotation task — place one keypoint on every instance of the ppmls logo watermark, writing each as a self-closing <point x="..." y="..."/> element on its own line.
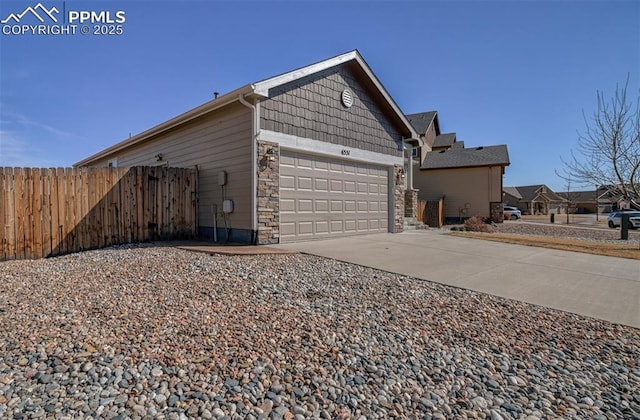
<point x="42" y="20"/>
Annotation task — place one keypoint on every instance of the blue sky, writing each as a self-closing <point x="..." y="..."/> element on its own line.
<point x="512" y="72"/>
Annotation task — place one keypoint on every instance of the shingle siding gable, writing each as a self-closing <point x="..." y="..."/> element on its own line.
<point x="311" y="108"/>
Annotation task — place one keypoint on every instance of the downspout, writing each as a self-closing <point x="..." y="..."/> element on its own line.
<point x="410" y="170"/>
<point x="408" y="150"/>
<point x="406" y="162"/>
<point x="254" y="168"/>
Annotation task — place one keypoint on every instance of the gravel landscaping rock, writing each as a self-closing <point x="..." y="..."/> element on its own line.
<point x="150" y="332"/>
<point x="567" y="232"/>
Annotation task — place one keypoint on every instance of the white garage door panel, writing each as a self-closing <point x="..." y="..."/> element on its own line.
<point x="322" y="197"/>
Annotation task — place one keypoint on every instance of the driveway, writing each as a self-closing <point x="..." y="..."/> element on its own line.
<point x="606" y="288"/>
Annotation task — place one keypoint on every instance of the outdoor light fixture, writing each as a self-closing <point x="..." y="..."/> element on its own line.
<point x="401" y="172"/>
<point x="271" y="155"/>
<point x="159" y="157"/>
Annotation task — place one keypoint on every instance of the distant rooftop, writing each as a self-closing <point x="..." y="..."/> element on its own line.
<point x="530" y="192"/>
<point x="512" y="191"/>
<point x="444" y="140"/>
<point x="422" y="120"/>
<point x="462" y="158"/>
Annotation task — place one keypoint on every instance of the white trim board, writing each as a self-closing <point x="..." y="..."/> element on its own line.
<point x="263" y="87"/>
<point x="317" y="147"/>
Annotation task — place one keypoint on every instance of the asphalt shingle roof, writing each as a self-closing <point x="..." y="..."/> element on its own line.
<point x="530" y="192"/>
<point x="512" y="191"/>
<point x="461" y="158"/>
<point x="579" y="196"/>
<point x="444" y="140"/>
<point x="422" y="120"/>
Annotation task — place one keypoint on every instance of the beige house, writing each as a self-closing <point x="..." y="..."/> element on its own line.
<point x="313" y="153"/>
<point x="469" y="179"/>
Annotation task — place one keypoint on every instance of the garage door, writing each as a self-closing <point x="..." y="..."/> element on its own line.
<point x="323" y="197"/>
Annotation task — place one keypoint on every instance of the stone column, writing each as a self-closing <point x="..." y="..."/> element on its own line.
<point x="268" y="193"/>
<point x="398" y="198"/>
<point x="411" y="203"/>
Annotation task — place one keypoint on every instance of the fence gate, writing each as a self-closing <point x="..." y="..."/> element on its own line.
<point x="432" y="212"/>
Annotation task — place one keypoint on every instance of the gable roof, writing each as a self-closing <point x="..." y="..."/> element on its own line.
<point x="512" y="191"/>
<point x="614" y="191"/>
<point x="463" y="158"/>
<point x="531" y="192"/>
<point x="604" y="195"/>
<point x="444" y="140"/>
<point x="263" y="87"/>
<point x="578" y="196"/>
<point x="422" y="120"/>
<point x="260" y="90"/>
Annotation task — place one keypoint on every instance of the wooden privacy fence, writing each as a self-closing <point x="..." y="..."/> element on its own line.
<point x="422" y="205"/>
<point x="431" y="212"/>
<point x="47" y="212"/>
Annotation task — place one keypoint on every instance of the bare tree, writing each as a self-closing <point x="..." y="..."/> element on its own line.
<point x="571" y="199"/>
<point x="608" y="151"/>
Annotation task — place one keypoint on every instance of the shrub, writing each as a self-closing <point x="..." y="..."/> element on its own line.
<point x="477" y="224"/>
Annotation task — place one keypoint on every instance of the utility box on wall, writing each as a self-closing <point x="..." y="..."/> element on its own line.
<point x="227" y="206"/>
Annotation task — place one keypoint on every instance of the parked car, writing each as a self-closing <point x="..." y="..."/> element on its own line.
<point x="512" y="213"/>
<point x="615" y="219"/>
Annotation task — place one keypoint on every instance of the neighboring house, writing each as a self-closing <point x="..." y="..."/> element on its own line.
<point x="610" y="198"/>
<point x="534" y="199"/>
<point x="469" y="179"/>
<point x="427" y="125"/>
<point x="314" y="153"/>
<point x="581" y="201"/>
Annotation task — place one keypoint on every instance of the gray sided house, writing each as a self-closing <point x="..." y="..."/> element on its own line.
<point x="314" y="153"/>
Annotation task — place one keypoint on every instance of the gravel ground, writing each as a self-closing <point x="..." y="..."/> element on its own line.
<point x="152" y="332"/>
<point x="569" y="232"/>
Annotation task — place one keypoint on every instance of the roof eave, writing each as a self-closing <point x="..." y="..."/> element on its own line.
<point x="503" y="165"/>
<point x="415" y="141"/>
<point x="264" y="86"/>
<point x="172" y="123"/>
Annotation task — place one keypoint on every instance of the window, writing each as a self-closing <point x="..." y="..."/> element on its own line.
<point x="113" y="163"/>
<point x="415" y="152"/>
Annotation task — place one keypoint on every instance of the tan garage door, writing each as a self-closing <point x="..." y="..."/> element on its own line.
<point x="323" y="197"/>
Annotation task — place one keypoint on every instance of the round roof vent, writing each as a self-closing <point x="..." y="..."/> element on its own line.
<point x="347" y="98"/>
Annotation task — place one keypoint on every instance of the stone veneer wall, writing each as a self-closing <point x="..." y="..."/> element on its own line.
<point x="398" y="195"/>
<point x="268" y="193"/>
<point x="411" y="203"/>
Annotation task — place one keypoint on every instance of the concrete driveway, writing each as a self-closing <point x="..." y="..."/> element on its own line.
<point x="606" y="288"/>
